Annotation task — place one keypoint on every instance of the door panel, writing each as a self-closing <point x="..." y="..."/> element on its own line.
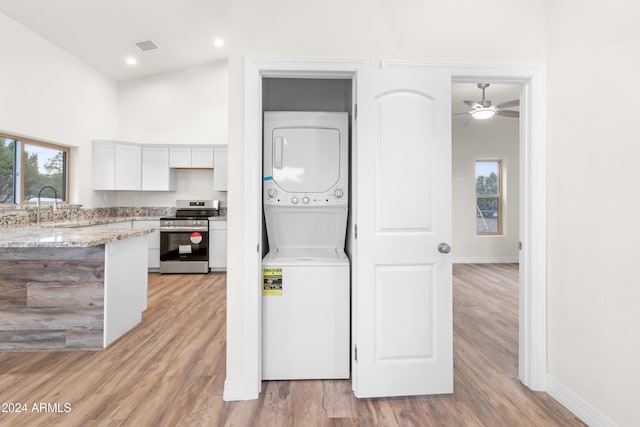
<point x="400" y="167"/>
<point x="410" y="287"/>
<point x="402" y="284"/>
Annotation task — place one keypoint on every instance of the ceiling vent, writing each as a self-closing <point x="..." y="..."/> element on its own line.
<point x="146" y="45"/>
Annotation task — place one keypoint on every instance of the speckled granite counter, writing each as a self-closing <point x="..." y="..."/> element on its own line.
<point x="97" y="221"/>
<point x="43" y="237"/>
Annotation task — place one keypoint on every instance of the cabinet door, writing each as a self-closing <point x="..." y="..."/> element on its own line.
<point x="128" y="167"/>
<point x="156" y="174"/>
<point x="103" y="165"/>
<point x="153" y="242"/>
<point x="202" y="157"/>
<point x="218" y="246"/>
<point x="180" y="157"/>
<point x="220" y="169"/>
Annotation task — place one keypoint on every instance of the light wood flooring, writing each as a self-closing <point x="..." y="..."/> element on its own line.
<point x="170" y="370"/>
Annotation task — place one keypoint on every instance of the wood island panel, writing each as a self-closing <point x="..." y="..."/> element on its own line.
<point x="52" y="298"/>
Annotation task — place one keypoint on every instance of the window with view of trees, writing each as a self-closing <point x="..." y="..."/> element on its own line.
<point x="488" y="197"/>
<point x="27" y="166"/>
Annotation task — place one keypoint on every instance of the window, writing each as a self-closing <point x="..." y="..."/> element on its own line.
<point x="27" y="166"/>
<point x="489" y="197"/>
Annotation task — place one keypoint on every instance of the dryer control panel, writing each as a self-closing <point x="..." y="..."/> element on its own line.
<point x="273" y="195"/>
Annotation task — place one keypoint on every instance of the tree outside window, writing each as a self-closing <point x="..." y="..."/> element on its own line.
<point x="488" y="197"/>
<point x="27" y="166"/>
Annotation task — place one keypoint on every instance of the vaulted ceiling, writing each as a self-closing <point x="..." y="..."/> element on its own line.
<point x="103" y="33"/>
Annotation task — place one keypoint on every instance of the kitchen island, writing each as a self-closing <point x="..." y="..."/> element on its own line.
<point x="70" y="288"/>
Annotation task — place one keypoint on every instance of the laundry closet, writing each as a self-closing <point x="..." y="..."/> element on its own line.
<point x="306" y="281"/>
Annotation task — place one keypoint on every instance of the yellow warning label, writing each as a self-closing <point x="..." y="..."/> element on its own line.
<point x="272" y="282"/>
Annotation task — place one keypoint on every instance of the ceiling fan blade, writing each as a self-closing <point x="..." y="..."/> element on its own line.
<point x="508" y="113"/>
<point x="474" y="104"/>
<point x="509" y="104"/>
<point x="460" y="114"/>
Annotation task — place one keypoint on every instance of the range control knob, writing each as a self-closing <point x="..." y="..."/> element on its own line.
<point x="294" y="200"/>
<point x="338" y="193"/>
<point x="272" y="193"/>
<point x="305" y="200"/>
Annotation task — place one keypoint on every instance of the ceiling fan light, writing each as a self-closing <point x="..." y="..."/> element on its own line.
<point x="483" y="113"/>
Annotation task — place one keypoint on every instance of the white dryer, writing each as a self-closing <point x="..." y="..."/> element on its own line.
<point x="305" y="303"/>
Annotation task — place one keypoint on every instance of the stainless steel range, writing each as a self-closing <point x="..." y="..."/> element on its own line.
<point x="184" y="239"/>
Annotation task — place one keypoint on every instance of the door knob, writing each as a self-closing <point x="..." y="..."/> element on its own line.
<point x="443" y="248"/>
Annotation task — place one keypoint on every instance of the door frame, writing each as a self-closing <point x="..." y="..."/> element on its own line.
<point x="532" y="359"/>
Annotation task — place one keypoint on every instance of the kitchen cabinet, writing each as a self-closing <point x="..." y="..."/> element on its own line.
<point x="202" y="157"/>
<point x="220" y="168"/>
<point x="153" y="242"/>
<point x="191" y="156"/>
<point x="116" y="166"/>
<point x="156" y="173"/>
<point x="218" y="245"/>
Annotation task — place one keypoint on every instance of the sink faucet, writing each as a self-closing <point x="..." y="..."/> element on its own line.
<point x="55" y="201"/>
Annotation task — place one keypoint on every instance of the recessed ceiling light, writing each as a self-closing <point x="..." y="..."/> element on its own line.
<point x="218" y="42"/>
<point x="131" y="60"/>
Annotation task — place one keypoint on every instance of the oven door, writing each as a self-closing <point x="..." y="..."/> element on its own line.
<point x="184" y="251"/>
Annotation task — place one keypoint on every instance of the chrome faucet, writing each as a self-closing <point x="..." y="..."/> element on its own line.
<point x="55" y="201"/>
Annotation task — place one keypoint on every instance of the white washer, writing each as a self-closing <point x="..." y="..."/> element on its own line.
<point x="305" y="330"/>
<point x="306" y="288"/>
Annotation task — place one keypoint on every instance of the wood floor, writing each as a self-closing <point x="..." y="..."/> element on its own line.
<point x="169" y="371"/>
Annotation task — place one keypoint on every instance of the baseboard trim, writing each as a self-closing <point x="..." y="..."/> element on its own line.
<point x="580" y="408"/>
<point x="485" y="260"/>
<point x="234" y="391"/>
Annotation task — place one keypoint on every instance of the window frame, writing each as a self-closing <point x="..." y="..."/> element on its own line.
<point x="21" y="167"/>
<point x="499" y="197"/>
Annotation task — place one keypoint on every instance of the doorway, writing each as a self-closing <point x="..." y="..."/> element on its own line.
<point x="486" y="230"/>
<point x="532" y="365"/>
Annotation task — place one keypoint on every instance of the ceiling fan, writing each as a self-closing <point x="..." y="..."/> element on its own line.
<point x="483" y="109"/>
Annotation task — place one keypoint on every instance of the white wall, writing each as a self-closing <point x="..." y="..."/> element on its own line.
<point x="495" y="138"/>
<point x="47" y="94"/>
<point x="188" y="106"/>
<point x="594" y="203"/>
<point x="183" y="107"/>
<point x="426" y="29"/>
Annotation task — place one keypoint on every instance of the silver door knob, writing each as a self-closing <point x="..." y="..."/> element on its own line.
<point x="443" y="248"/>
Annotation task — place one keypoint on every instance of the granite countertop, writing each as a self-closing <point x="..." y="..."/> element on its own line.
<point x="96" y="221"/>
<point x="70" y="234"/>
<point x="43" y="237"/>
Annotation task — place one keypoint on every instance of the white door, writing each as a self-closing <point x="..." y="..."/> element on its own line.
<point x="402" y="312"/>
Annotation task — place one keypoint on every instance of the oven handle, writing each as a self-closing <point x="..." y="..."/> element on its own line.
<point x="186" y="229"/>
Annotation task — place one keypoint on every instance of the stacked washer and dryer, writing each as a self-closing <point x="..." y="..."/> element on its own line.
<point x="306" y="288"/>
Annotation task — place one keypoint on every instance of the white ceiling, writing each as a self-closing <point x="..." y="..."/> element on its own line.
<point x="102" y="33"/>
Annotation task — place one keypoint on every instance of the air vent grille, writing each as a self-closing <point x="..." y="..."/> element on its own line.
<point x="146" y="45"/>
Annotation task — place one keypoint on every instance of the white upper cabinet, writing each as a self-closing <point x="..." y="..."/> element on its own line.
<point x="202" y="157"/>
<point x="220" y="168"/>
<point x="180" y="157"/>
<point x="116" y="166"/>
<point x="191" y="156"/>
<point x="156" y="174"/>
